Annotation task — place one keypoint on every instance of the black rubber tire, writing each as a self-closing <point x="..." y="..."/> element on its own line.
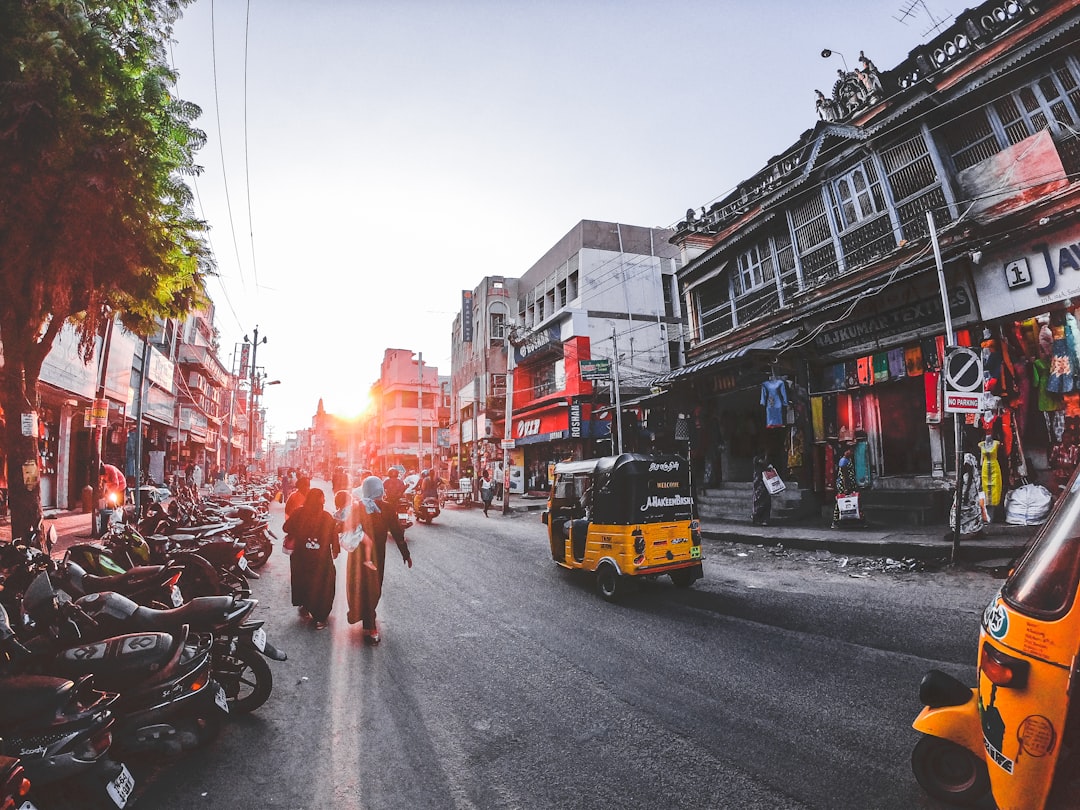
<point x="683" y="578"/>
<point x="949" y="772"/>
<point x="246" y="678"/>
<point x="609" y="583"/>
<point x="258" y="551"/>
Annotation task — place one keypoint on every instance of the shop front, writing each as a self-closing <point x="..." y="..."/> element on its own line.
<point x="1029" y="296"/>
<point x="556" y="431"/>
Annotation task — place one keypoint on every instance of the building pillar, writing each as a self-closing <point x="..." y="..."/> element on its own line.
<point x="65" y="499"/>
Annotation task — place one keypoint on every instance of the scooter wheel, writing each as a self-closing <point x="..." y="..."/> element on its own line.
<point x="949" y="771"/>
<point x="247" y="680"/>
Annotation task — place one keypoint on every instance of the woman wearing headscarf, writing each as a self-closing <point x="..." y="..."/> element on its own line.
<point x="366" y="565"/>
<point x="312" y="562"/>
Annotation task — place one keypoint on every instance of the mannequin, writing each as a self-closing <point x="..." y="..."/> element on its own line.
<point x="991" y="470"/>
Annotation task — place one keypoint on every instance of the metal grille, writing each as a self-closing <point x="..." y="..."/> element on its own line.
<point x="908" y="167"/>
<point x="820" y="266"/>
<point x="913" y="214"/>
<point x="864" y="244"/>
<point x="754" y="305"/>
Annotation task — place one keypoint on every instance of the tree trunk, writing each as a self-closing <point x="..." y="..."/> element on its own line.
<point x="18" y="396"/>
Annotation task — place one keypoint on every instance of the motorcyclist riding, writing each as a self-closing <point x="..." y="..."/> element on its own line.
<point x="393" y="487"/>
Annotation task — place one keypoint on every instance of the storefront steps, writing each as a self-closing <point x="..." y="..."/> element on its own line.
<point x="908" y="507"/>
<point x="733" y="501"/>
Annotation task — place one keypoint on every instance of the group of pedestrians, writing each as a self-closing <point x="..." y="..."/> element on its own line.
<point x="361" y="524"/>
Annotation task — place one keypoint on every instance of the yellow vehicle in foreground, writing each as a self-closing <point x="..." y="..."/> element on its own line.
<point x="625" y="517"/>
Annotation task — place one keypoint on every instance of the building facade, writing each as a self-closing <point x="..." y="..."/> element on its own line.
<point x="820" y="271"/>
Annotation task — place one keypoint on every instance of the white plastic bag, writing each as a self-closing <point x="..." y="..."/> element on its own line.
<point x="1028" y="505"/>
<point x="350" y="540"/>
<point x="773" y="482"/>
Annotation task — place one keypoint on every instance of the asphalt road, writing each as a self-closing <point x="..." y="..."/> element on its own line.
<point x="780" y="681"/>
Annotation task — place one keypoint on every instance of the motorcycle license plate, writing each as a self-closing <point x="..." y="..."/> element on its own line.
<point x="221" y="699"/>
<point x="177" y="597"/>
<point x="119" y="789"/>
<point x="258" y="638"/>
<point x="243" y="563"/>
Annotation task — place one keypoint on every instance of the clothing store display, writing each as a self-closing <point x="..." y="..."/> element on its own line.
<point x="932" y="387"/>
<point x="861" y="457"/>
<point x="774" y="398"/>
<point x="897" y="368"/>
<point x="913" y="360"/>
<point x="971" y="508"/>
<point x="881" y="367"/>
<point x="866" y="370"/>
<point x="817" y="418"/>
<point x="851" y="374"/>
<point x="991" y="471"/>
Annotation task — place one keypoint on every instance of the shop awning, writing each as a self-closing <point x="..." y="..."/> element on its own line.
<point x="760" y="348"/>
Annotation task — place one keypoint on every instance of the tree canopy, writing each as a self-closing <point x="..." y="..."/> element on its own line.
<point x="95" y="153"/>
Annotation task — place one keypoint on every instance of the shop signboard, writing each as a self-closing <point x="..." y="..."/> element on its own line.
<point x="1031" y="275"/>
<point x="595" y="369"/>
<point x="99" y="413"/>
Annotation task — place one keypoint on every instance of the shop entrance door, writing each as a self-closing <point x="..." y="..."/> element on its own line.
<point x="903" y="439"/>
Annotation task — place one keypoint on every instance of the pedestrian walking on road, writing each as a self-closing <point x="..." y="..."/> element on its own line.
<point x="366" y="565"/>
<point x="487" y="491"/>
<point x="311" y="565"/>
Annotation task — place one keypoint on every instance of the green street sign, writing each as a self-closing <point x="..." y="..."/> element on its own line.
<point x="595" y="369"/>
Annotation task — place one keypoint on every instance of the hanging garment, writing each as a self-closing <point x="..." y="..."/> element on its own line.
<point x="1072" y="342"/>
<point x="991" y="363"/>
<point x="1055" y="426"/>
<point x="932" y="387"/>
<point x="991" y="471"/>
<point x="1040" y="372"/>
<point x="939" y="346"/>
<point x="866" y="370"/>
<point x="913" y="360"/>
<point x="817" y="418"/>
<point x="931" y="359"/>
<point x="796" y="442"/>
<point x="830" y="467"/>
<point x="881" y="367"/>
<point x="897" y="368"/>
<point x="1022" y="397"/>
<point x="1029" y="337"/>
<point x="851" y="374"/>
<point x="774" y="398"/>
<point x="1062" y="372"/>
<point x="830" y="416"/>
<point x="963" y="337"/>
<point x="971" y="517"/>
<point x="862" y="464"/>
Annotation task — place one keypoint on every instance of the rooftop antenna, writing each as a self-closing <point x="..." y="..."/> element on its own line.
<point x="913" y="8"/>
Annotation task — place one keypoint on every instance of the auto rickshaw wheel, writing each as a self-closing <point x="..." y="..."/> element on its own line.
<point x="949" y="771"/>
<point x="683" y="578"/>
<point x="609" y="582"/>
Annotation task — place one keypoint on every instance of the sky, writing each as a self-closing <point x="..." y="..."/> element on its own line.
<point x="367" y="160"/>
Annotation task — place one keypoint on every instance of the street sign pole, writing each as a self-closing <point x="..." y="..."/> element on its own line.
<point x="950" y="339"/>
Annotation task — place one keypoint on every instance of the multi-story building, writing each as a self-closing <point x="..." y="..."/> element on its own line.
<point x="820" y="269"/>
<point x="604" y="291"/>
<point x="403" y="425"/>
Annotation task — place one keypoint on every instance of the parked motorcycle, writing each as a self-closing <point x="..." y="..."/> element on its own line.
<point x="14" y="786"/>
<point x="239" y="649"/>
<point x="168" y="702"/>
<point x="61" y="732"/>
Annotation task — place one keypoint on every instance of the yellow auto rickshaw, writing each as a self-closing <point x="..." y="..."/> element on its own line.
<point x="1016" y="735"/>
<point x="625" y="517"/>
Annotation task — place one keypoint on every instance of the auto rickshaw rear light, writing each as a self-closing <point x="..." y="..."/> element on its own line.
<point x="695" y="532"/>
<point x="1003" y="669"/>
<point x="639" y="542"/>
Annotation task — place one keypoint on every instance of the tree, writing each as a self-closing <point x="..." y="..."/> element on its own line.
<point x="95" y="214"/>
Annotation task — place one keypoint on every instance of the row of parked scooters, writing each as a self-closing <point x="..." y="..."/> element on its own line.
<point x="140" y="644"/>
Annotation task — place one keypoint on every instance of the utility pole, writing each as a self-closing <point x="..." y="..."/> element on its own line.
<point x="420" y="412"/>
<point x="507" y="419"/>
<point x="251" y="396"/>
<point x="618" y="395"/>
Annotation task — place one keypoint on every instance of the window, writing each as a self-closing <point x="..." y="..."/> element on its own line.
<point x="713" y="303"/>
<point x="857" y="195"/>
<point x="497" y="330"/>
<point x="1049" y="102"/>
<point x="755" y="268"/>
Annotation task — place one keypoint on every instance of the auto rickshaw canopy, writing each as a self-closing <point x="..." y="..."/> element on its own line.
<point x="632" y="488"/>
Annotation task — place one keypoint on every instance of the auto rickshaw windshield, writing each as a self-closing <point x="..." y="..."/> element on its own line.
<point x="1045" y="580"/>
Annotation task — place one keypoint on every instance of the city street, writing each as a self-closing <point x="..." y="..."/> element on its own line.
<point x="781" y="680"/>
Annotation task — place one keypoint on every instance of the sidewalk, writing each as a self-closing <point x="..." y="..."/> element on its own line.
<point x="71" y="527"/>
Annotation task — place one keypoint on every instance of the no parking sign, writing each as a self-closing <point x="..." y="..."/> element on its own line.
<point x="963" y="380"/>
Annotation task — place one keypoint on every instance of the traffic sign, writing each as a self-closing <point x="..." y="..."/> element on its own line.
<point x="963" y="380"/>
<point x="963" y="370"/>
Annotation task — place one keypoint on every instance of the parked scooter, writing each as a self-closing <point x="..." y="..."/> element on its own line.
<point x="1016" y="734"/>
<point x="61" y="732"/>
<point x="168" y="702"/>
<point x="14" y="786"/>
<point x="237" y="660"/>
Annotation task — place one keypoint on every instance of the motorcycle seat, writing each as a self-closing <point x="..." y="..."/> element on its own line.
<point x="32" y="698"/>
<point x="93" y="583"/>
<point x="127" y="661"/>
<point x="200" y="612"/>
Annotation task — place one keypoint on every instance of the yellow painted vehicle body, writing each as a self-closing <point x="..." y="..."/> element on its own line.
<point x="1020" y="726"/>
<point x="623" y="517"/>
